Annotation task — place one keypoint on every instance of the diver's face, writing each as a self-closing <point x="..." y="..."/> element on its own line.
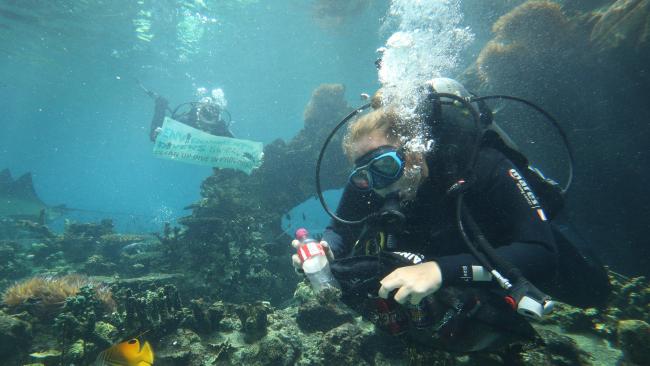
<point x="208" y="113"/>
<point x="408" y="183"/>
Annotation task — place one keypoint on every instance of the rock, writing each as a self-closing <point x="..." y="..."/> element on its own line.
<point x="93" y="230"/>
<point x="634" y="339"/>
<point x="98" y="265"/>
<point x="216" y="313"/>
<point x="14" y="334"/>
<point x="254" y="320"/>
<point x="626" y="23"/>
<point x="344" y="345"/>
<point x="557" y="349"/>
<point x="230" y="323"/>
<point x="319" y="313"/>
<point x="106" y="332"/>
<point x="272" y="350"/>
<point x="574" y="319"/>
<point x="183" y="348"/>
<point x="76" y="351"/>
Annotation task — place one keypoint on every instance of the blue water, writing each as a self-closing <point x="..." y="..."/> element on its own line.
<point x="310" y="214"/>
<point x="73" y="114"/>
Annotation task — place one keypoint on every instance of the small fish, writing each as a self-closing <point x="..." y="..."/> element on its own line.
<point x="127" y="353"/>
<point x="136" y="247"/>
<point x="365" y="96"/>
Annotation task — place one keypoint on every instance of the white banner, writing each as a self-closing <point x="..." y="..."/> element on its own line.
<point x="178" y="141"/>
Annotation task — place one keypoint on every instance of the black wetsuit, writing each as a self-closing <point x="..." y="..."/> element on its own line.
<point x="219" y="128"/>
<point x="509" y="219"/>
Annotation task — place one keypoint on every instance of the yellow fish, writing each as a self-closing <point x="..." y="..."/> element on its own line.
<point x="127" y="353"/>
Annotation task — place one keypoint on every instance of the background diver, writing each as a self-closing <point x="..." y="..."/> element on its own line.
<point x="208" y="114"/>
<point x="406" y="263"/>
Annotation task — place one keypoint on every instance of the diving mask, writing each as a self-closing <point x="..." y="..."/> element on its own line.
<point x="208" y="113"/>
<point x="378" y="169"/>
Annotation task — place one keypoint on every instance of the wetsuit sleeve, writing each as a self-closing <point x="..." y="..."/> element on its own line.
<point x="509" y="214"/>
<point x="160" y="109"/>
<point x="353" y="205"/>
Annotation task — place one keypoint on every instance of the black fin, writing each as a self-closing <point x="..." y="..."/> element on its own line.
<point x="24" y="187"/>
<point x="5" y="180"/>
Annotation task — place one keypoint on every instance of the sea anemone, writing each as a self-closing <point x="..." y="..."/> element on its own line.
<point x="44" y="296"/>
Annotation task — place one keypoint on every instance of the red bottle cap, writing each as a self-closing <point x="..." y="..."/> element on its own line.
<point x="302" y="234"/>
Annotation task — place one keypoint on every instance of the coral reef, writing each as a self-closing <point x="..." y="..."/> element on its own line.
<point x="322" y="311"/>
<point x="209" y="292"/>
<point x="15" y="335"/>
<point x="524" y="52"/>
<point x="13" y="265"/>
<point x="634" y="338"/>
<point x="331" y="14"/>
<point x="630" y="299"/>
<point x="44" y="297"/>
<point x="623" y="26"/>
<point x="228" y="242"/>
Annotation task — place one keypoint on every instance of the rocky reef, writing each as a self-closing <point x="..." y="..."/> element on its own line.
<point x="219" y="290"/>
<point x="311" y="330"/>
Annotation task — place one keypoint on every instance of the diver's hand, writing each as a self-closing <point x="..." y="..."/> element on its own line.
<point x="414" y="282"/>
<point x="161" y="102"/>
<point x="155" y="133"/>
<point x="297" y="263"/>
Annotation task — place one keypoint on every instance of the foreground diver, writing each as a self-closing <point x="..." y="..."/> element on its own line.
<point x="208" y="114"/>
<point x="410" y="267"/>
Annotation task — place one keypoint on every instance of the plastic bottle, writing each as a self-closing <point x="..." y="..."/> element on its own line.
<point x="314" y="262"/>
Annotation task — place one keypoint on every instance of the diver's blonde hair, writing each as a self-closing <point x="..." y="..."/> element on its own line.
<point x="380" y="119"/>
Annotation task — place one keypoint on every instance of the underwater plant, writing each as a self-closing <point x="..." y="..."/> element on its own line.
<point x="44" y="297"/>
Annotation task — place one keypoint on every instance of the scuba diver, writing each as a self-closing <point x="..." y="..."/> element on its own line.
<point x="208" y="114"/>
<point x="458" y="244"/>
